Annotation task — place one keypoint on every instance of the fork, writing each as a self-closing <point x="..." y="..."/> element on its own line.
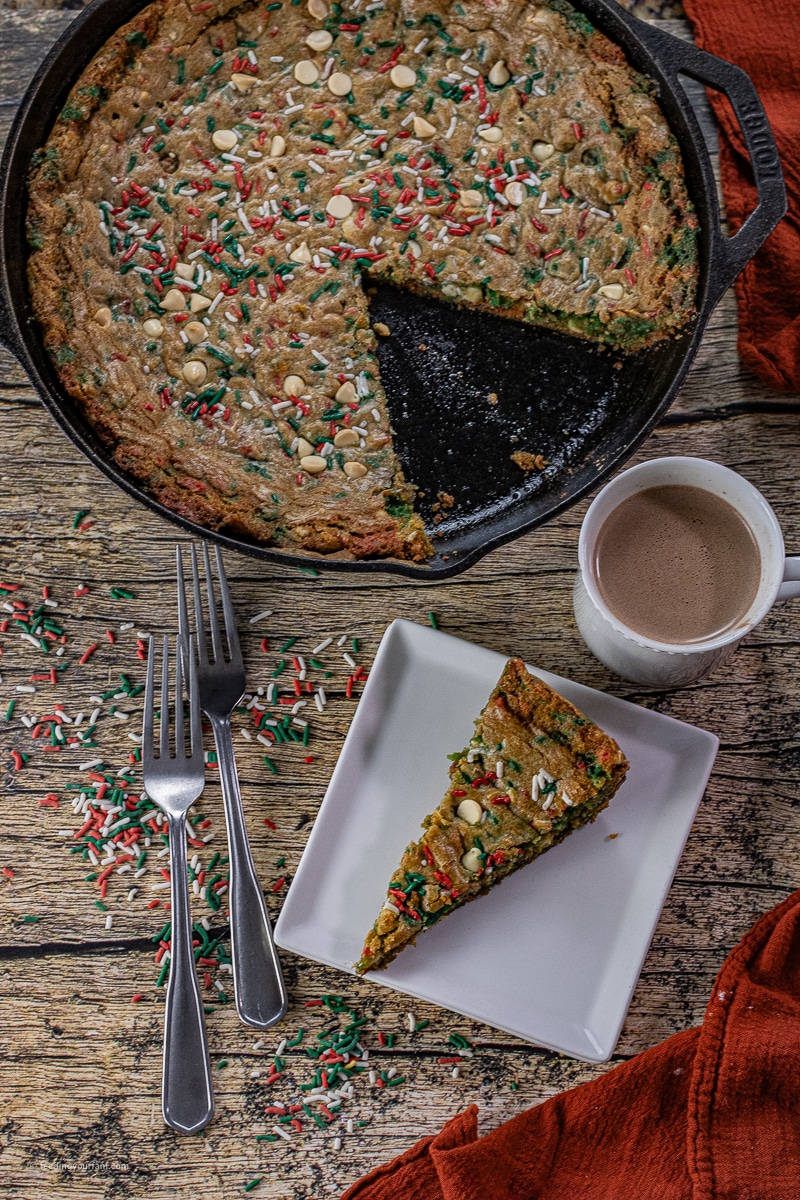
<point x="259" y="989"/>
<point x="174" y="783"/>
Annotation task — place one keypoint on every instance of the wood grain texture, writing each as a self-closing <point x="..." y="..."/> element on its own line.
<point x="80" y="1083"/>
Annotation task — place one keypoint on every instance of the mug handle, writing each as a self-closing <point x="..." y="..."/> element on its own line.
<point x="790" y="588"/>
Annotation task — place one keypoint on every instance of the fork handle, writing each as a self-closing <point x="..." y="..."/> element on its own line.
<point x="261" y="998"/>
<point x="187" y="1096"/>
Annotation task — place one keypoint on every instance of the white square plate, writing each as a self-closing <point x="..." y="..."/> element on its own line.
<point x="551" y="956"/>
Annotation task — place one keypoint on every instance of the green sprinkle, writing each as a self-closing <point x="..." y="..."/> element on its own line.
<point x="287" y="645"/>
<point x="12" y="704"/>
<point x="248" y="1187"/>
<point x="433" y="620"/>
<point x="79" y="517"/>
<point x="31" y="920"/>
<point x="514" y="1085"/>
<point x="99" y="904"/>
<point x="223" y="1062"/>
<point x="271" y="765"/>
<point x="163" y="973"/>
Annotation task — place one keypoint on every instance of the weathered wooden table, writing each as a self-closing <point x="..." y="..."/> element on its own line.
<point x="79" y="1089"/>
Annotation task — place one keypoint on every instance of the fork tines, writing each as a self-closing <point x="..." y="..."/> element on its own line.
<point x="149" y="759"/>
<point x="234" y="653"/>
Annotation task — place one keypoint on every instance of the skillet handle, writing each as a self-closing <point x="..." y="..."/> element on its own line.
<point x="676" y="57"/>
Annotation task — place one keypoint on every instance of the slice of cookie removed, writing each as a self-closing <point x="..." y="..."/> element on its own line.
<point x="535" y="769"/>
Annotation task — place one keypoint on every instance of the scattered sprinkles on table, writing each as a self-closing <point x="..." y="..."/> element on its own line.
<point x="222" y="180"/>
<point x="328" y="1074"/>
<point x="113" y="826"/>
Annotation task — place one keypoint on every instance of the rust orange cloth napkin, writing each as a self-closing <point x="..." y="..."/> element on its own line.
<point x="710" y="1114"/>
<point x="763" y="38"/>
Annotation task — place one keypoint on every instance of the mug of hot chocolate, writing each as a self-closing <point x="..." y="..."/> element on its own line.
<point x="679" y="559"/>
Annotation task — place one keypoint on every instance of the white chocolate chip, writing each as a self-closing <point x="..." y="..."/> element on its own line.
<point x="354" y="470"/>
<point x="225" y="139"/>
<point x="174" y="301"/>
<point x="346" y="393"/>
<point x="302" y="254"/>
<point x="103" y="317"/>
<point x="306" y="72"/>
<point x="277" y="147"/>
<point x="339" y="207"/>
<point x="492" y="134"/>
<point x="197" y="302"/>
<point x="195" y="372"/>
<point x="184" y="271"/>
<point x="499" y="74"/>
<point x="243" y="83"/>
<point x="318" y="9"/>
<point x="319" y="40"/>
<point x="543" y="150"/>
<point x="345" y="438"/>
<point x="196" y="332"/>
<point x="314" y="464"/>
<point x="423" y="128"/>
<point x="153" y="327"/>
<point x="294" y="385"/>
<point x="403" y="77"/>
<point x="340" y="84"/>
<point x="471" y="861"/>
<point x="471" y="199"/>
<point x="470" y="811"/>
<point x="515" y="193"/>
<point x="472" y="294"/>
<point x="611" y="291"/>
<point x="303" y="448"/>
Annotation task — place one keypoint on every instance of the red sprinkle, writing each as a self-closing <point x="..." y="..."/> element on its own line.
<point x="87" y="654"/>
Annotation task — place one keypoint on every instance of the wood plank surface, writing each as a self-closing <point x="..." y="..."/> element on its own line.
<point x="79" y="1092"/>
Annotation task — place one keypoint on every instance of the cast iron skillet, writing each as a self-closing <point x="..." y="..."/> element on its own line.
<point x="583" y="409"/>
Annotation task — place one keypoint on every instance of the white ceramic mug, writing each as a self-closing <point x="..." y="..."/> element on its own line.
<point x="660" y="664"/>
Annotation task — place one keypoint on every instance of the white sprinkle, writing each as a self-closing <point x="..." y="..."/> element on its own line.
<point x="351" y="662"/>
<point x="246" y="734"/>
<point x="133" y="893"/>
<point x="296" y="707"/>
<point x="242" y="215"/>
<point x="421" y="46"/>
<point x="262" y="615"/>
<point x="322" y="646"/>
<point x="452" y="127"/>
<point x="455" y="1072"/>
<point x="600" y="212"/>
<point x="292" y="109"/>
<point x="315" y="166"/>
<point x="281" y="1132"/>
<point x="24" y="687"/>
<point x="109" y="921"/>
<point x="412" y="1022"/>
<point x="89" y="766"/>
<point x="337" y="1143"/>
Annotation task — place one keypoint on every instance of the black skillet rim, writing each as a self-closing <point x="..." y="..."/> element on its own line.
<point x="631" y="34"/>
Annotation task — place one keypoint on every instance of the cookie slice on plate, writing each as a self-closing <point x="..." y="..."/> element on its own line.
<point x="535" y="769"/>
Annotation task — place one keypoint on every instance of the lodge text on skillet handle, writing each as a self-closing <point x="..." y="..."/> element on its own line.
<point x="675" y="58"/>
